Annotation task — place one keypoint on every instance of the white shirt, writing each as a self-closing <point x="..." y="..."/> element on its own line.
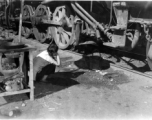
<point x="45" y="55"/>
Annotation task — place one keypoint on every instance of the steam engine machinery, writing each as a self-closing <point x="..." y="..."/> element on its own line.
<point x="117" y="24"/>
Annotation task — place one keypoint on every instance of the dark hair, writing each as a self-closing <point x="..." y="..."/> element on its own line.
<point x="53" y="48"/>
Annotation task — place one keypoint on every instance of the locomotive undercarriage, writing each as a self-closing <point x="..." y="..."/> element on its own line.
<point x="65" y="22"/>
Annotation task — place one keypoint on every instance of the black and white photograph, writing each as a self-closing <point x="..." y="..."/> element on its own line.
<point x="76" y="59"/>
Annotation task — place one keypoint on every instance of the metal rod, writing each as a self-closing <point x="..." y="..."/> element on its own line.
<point x="20" y="24"/>
<point x="83" y="16"/>
<point x="86" y="13"/>
<point x="91" y="5"/>
<point x="46" y="1"/>
<point x="96" y="24"/>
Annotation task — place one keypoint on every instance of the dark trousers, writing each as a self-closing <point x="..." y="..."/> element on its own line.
<point x="42" y="68"/>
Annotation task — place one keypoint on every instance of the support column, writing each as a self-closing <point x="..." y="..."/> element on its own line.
<point x="31" y="84"/>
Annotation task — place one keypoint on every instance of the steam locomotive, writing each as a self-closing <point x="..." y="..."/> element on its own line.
<point x="118" y="24"/>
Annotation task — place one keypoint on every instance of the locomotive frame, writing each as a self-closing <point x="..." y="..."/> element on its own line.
<point x="65" y="21"/>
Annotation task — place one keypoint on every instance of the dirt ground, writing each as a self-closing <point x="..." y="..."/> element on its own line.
<point x="84" y="88"/>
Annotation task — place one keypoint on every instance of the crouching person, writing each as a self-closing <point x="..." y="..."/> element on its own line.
<point x="45" y="63"/>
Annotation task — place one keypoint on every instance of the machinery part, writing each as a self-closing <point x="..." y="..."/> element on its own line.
<point x="2" y="15"/>
<point x="2" y="19"/>
<point x="86" y="17"/>
<point x="134" y="38"/>
<point x="83" y="16"/>
<point x="43" y="11"/>
<point x="146" y="30"/>
<point x="62" y="34"/>
<point x="88" y="30"/>
<point x="149" y="54"/>
<point x="76" y="29"/>
<point x="26" y="30"/>
<point x="148" y="46"/>
<point x="41" y="33"/>
<point x="7" y="16"/>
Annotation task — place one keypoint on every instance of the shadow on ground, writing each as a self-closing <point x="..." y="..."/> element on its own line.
<point x="57" y="82"/>
<point x="92" y="62"/>
<point x="62" y="80"/>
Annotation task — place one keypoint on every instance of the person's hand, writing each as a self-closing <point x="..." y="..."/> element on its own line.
<point x="55" y="56"/>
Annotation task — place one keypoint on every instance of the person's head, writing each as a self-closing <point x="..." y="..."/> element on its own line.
<point x="52" y="49"/>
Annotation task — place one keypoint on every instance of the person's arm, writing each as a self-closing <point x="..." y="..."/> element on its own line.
<point x="57" y="61"/>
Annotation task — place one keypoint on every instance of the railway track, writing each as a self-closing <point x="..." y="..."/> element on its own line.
<point x="84" y="52"/>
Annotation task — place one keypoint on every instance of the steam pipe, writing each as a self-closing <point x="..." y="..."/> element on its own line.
<point x="83" y="16"/>
<point x="91" y="6"/>
<point x="96" y="23"/>
<point x="87" y="14"/>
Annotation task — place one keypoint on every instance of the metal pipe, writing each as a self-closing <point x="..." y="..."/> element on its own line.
<point x="46" y="1"/>
<point x="83" y="16"/>
<point x="91" y="5"/>
<point x="96" y="23"/>
<point x="86" y="13"/>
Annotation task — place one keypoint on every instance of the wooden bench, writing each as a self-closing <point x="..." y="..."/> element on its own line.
<point x="21" y="53"/>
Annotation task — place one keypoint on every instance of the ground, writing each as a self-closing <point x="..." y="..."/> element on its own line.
<point x="84" y="88"/>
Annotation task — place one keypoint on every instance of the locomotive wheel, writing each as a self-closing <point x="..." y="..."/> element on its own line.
<point x="62" y="34"/>
<point x="26" y="29"/>
<point x="41" y="32"/>
<point x="61" y="37"/>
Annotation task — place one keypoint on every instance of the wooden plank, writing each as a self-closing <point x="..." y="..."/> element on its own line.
<point x="14" y="92"/>
<point x="17" y="50"/>
<point x="32" y="42"/>
<point x="13" y="76"/>
<point x="31" y="84"/>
